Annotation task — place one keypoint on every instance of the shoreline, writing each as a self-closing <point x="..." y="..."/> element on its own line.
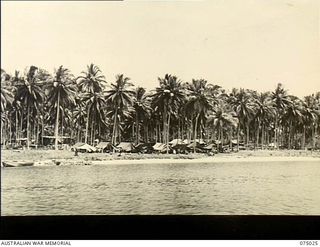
<point x="210" y="160"/>
<point x="65" y="157"/>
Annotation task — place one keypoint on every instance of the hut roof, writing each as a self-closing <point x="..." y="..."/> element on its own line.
<point x="126" y="146"/>
<point x="78" y="144"/>
<point x="175" y="142"/>
<point x="103" y="145"/>
<point x="209" y="147"/>
<point x="86" y="147"/>
<point x="159" y="146"/>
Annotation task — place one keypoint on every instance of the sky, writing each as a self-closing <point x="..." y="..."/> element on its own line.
<point x="251" y="43"/>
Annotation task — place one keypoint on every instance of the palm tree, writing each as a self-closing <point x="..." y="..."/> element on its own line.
<point x="7" y="98"/>
<point x="92" y="80"/>
<point x="30" y="93"/>
<point x="222" y="117"/>
<point x="198" y="102"/>
<point x="263" y="111"/>
<point x="168" y="97"/>
<point x="293" y="115"/>
<point x="241" y="102"/>
<point x="142" y="109"/>
<point x="61" y="93"/>
<point x="281" y="101"/>
<point x="119" y="96"/>
<point x="95" y="104"/>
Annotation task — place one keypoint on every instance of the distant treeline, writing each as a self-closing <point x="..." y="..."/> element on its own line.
<point x="36" y="104"/>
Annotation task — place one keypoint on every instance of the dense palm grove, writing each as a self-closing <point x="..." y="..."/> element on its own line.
<point x="84" y="108"/>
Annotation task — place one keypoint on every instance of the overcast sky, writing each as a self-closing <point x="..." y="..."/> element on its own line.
<point x="252" y="43"/>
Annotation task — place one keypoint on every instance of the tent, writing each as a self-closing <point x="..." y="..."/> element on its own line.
<point x="160" y="147"/>
<point x="209" y="147"/>
<point x="144" y="147"/>
<point x="86" y="148"/>
<point x="186" y="141"/>
<point x="175" y="142"/>
<point x="200" y="141"/>
<point x="102" y="146"/>
<point x="78" y="144"/>
<point x="126" y="146"/>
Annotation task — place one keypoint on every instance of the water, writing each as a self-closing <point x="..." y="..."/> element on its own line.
<point x="228" y="188"/>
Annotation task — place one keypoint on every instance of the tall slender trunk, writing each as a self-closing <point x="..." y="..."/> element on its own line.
<point x="248" y="134"/>
<point x="313" y="137"/>
<point x="238" y="136"/>
<point x="37" y="134"/>
<point x="10" y="130"/>
<point x="87" y="125"/>
<point x="258" y="132"/>
<point x="168" y="133"/>
<point x="290" y="132"/>
<point x="57" y="123"/>
<point x="195" y="133"/>
<point x="28" y="141"/>
<point x="113" y="141"/>
<point x="164" y="135"/>
<point x="137" y="129"/>
<point x="92" y="133"/>
<point x="276" y="133"/>
<point x="17" y="128"/>
<point x="42" y="131"/>
<point x="262" y="137"/>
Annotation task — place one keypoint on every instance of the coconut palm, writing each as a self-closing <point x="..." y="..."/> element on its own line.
<point x="220" y="118"/>
<point x="61" y="90"/>
<point x="92" y="80"/>
<point x="119" y="96"/>
<point x="142" y="109"/>
<point x="280" y="100"/>
<point x="198" y="102"/>
<point x="168" y="97"/>
<point x="242" y="104"/>
<point x="95" y="104"/>
<point x="263" y="111"/>
<point x="30" y="93"/>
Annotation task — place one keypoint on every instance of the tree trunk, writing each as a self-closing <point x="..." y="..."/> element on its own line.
<point x="168" y="133"/>
<point x="238" y="136"/>
<point x="114" y="127"/>
<point x="57" y="123"/>
<point x="248" y="135"/>
<point x="262" y="136"/>
<point x="91" y="133"/>
<point x="195" y="133"/>
<point x="42" y="131"/>
<point x="289" y="137"/>
<point x="137" y="129"/>
<point x="258" y="132"/>
<point x="87" y="125"/>
<point x="164" y="135"/>
<point x="17" y="128"/>
<point x="28" y="141"/>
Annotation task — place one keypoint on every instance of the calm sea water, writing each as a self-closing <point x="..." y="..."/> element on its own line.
<point x="227" y="188"/>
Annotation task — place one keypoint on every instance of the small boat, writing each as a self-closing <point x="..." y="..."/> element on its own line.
<point x="16" y="164"/>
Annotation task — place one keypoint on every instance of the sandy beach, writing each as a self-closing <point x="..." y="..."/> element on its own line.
<point x="64" y="157"/>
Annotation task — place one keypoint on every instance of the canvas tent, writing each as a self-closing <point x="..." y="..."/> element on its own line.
<point x="160" y="147"/>
<point x="126" y="146"/>
<point x="175" y="142"/>
<point x="209" y="147"/>
<point x="186" y="141"/>
<point x="102" y="146"/>
<point x="86" y="148"/>
<point x="78" y="144"/>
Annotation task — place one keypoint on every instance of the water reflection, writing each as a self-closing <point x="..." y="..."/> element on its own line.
<point x="230" y="188"/>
